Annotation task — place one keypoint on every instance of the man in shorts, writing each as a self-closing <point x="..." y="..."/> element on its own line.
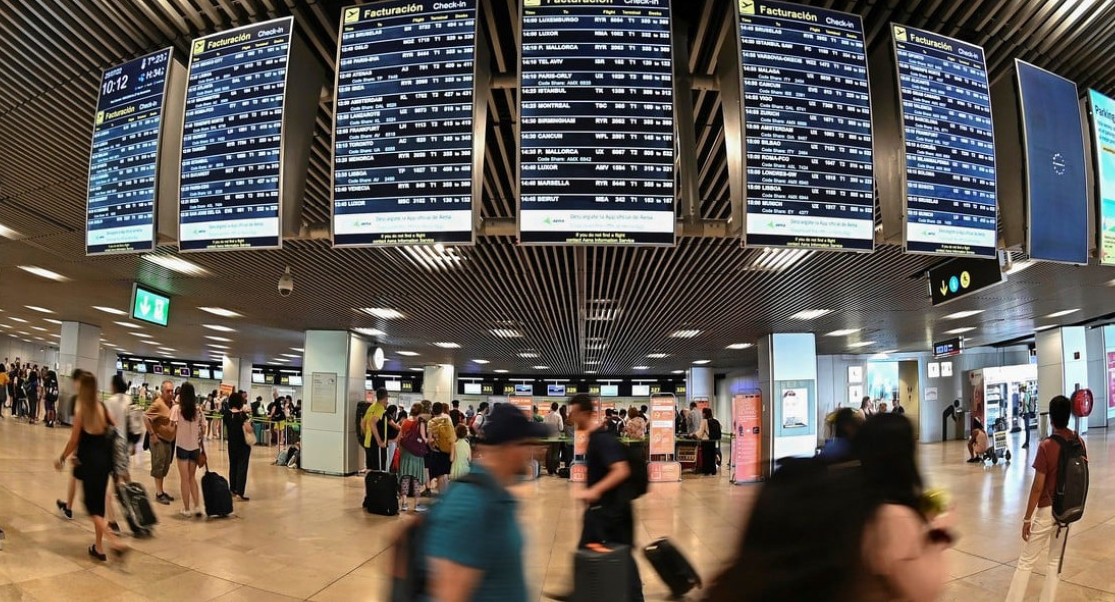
<point x="161" y="432"/>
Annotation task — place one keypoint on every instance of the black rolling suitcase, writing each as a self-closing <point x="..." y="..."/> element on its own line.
<point x="381" y="493"/>
<point x="601" y="573"/>
<point x="137" y="507"/>
<point x="672" y="567"/>
<point x="217" y="496"/>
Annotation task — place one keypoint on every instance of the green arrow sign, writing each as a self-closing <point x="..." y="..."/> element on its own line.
<point x="150" y="306"/>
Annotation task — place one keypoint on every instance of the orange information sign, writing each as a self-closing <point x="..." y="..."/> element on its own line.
<point x="747" y="457"/>
<point x="523" y="403"/>
<point x="227" y="389"/>
<point x="663" y="472"/>
<point x="662" y="410"/>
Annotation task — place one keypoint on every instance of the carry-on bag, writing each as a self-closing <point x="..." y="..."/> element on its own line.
<point x="381" y="493"/>
<point x="217" y="496"/>
<point x="601" y="573"/>
<point x="672" y="566"/>
<point x="137" y="507"/>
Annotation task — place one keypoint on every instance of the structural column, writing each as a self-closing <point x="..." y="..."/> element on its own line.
<point x="237" y="373"/>
<point x="788" y="382"/>
<point x="439" y="383"/>
<point x="1062" y="366"/>
<point x="333" y="369"/>
<point x="701" y="383"/>
<point x="80" y="348"/>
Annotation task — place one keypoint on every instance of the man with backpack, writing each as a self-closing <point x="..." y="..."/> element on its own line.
<point x="1057" y="499"/>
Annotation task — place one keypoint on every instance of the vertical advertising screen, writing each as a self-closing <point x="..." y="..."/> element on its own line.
<point x="949" y="146"/>
<point x="123" y="164"/>
<point x="232" y="139"/>
<point x="1056" y="173"/>
<point x="1103" y="153"/>
<point x="403" y="124"/>
<point x="596" y="160"/>
<point x="747" y="457"/>
<point x="807" y="128"/>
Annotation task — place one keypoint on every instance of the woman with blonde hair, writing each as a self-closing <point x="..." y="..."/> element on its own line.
<point x="93" y="438"/>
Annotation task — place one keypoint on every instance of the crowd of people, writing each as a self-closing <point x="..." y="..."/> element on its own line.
<point x="29" y="392"/>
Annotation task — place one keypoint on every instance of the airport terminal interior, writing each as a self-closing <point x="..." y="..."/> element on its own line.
<point x="741" y="236"/>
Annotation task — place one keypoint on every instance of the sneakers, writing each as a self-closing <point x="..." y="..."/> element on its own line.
<point x="163" y="499"/>
<point x="403" y="508"/>
<point x="421" y="508"/>
<point x="185" y="513"/>
<point x="66" y="511"/>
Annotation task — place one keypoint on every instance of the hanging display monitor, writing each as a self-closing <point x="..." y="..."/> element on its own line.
<point x="129" y="148"/>
<point x="1102" y="110"/>
<point x="1042" y="168"/>
<point x="936" y="159"/>
<point x="403" y="143"/>
<point x="807" y="118"/>
<point x="250" y="101"/>
<point x="596" y="162"/>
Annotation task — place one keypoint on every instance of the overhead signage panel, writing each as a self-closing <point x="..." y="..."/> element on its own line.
<point x="945" y="104"/>
<point x="124" y="161"/>
<point x="150" y="306"/>
<point x="1102" y="111"/>
<point x="232" y="139"/>
<point x="960" y="277"/>
<point x="596" y="162"/>
<point x="1055" y="166"/>
<point x="807" y="128"/>
<point x="403" y="124"/>
<point x="948" y="348"/>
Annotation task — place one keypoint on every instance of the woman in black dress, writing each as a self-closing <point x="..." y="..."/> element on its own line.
<point x="239" y="452"/>
<point x="90" y="438"/>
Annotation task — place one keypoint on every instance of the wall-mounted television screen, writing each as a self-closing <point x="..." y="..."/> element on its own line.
<point x="640" y="390"/>
<point x="258" y="378"/>
<point x="393" y="385"/>
<point x="473" y="388"/>
<point x="609" y="390"/>
<point x="296" y="380"/>
<point x="203" y="373"/>
<point x="524" y="389"/>
<point x="555" y="390"/>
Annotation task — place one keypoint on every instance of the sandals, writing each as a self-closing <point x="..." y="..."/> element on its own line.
<point x="95" y="554"/>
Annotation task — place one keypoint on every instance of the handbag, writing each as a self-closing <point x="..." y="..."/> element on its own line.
<point x="413" y="442"/>
<point x="249" y="432"/>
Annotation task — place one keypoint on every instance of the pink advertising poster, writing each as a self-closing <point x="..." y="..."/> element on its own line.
<point x="1111" y="380"/>
<point x="747" y="427"/>
<point x="662" y="426"/>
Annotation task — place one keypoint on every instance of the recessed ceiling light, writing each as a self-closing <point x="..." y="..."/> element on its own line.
<point x="24" y="332"/>
<point x="216" y="345"/>
<point x="39" y="328"/>
<point x="7" y="232"/>
<point x="677" y="372"/>
<point x="1018" y="266"/>
<point x="501" y="371"/>
<point x="279" y="360"/>
<point x="56" y="335"/>
<point x="446" y="345"/>
<point x="861" y="344"/>
<point x="528" y="355"/>
<point x="220" y="311"/>
<point x="603" y="314"/>
<point x="110" y="310"/>
<point x="218" y="328"/>
<point x="684" y="334"/>
<point x="591" y="362"/>
<point x="20" y="320"/>
<point x="407" y="353"/>
<point x="590" y="371"/>
<point x="385" y="313"/>
<point x="702" y="362"/>
<point x="371" y="332"/>
<point x="177" y="264"/>
<point x="167" y="349"/>
<point x="52" y="320"/>
<point x="1062" y="313"/>
<point x="506" y="333"/>
<point x="213" y="337"/>
<point x="738" y="346"/>
<point x="41" y="310"/>
<point x="960" y="330"/>
<point x="298" y="349"/>
<point x="292" y="355"/>
<point x="5" y="325"/>
<point x="418" y="369"/>
<point x="658" y="356"/>
<point x="43" y="273"/>
<point x="541" y="367"/>
<point x="776" y="260"/>
<point x="127" y="324"/>
<point x="843" y="332"/>
<point x="811" y="314"/>
<point x="142" y="335"/>
<point x="640" y="367"/>
<point x="960" y="315"/>
<point x="481" y="362"/>
<point x="1046" y="327"/>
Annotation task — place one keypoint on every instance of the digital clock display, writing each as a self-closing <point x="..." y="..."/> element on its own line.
<point x="123" y="163"/>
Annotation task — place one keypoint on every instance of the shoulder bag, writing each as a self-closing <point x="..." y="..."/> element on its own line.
<point x="249" y="432"/>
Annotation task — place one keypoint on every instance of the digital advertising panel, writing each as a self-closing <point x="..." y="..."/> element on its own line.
<point x="1102" y="111"/>
<point x="807" y="128"/>
<point x="596" y="160"/>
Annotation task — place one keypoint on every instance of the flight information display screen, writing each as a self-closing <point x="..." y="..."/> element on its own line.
<point x="949" y="147"/>
<point x="123" y="164"/>
<point x="807" y="128"/>
<point x="232" y="138"/>
<point x="1103" y="153"/>
<point x="596" y="162"/>
<point x="403" y="132"/>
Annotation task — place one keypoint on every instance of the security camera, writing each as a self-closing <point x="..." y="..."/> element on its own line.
<point x="286" y="283"/>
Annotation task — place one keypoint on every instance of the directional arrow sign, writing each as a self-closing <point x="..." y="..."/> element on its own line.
<point x="956" y="278"/>
<point x="150" y="306"/>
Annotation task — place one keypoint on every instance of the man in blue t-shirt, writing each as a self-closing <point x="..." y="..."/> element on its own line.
<point x="473" y="545"/>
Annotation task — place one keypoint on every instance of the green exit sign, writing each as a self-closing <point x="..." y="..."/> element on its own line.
<point x="150" y="306"/>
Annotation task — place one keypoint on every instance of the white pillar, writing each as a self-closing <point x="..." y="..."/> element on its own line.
<point x="701" y="382"/>
<point x="80" y="348"/>
<point x="333" y="383"/>
<point x="788" y="382"/>
<point x="439" y="383"/>
<point x="237" y="373"/>
<point x="1062" y="366"/>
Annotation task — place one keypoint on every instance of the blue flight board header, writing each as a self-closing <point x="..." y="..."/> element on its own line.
<point x="123" y="164"/>
<point x="950" y="149"/>
<point x="232" y="138"/>
<point x="1056" y="173"/>
<point x="596" y="162"/>
<point x="807" y="128"/>
<point x="1102" y="109"/>
<point x="403" y="131"/>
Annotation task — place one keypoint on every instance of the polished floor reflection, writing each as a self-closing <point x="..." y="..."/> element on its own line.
<point x="305" y="537"/>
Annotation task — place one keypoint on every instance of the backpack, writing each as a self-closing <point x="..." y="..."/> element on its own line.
<point x="413" y="442"/>
<point x="714" y="432"/>
<point x="440" y="430"/>
<point x="1072" y="481"/>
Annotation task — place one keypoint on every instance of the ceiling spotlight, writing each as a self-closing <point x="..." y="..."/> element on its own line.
<point x="43" y="273"/>
<point x="41" y="310"/>
<point x="481" y="362"/>
<point x="843" y="332"/>
<point x="1063" y="313"/>
<point x="640" y="367"/>
<point x="960" y="330"/>
<point x="541" y="367"/>
<point x="385" y="313"/>
<point x="407" y="353"/>
<point x="658" y="356"/>
<point x="528" y="355"/>
<point x="684" y="334"/>
<point x="220" y="311"/>
<point x="371" y="332"/>
<point x="177" y="264"/>
<point x="212" y="337"/>
<point x="298" y="349"/>
<point x="677" y="372"/>
<point x="738" y="346"/>
<point x="218" y="328"/>
<point x="960" y="315"/>
<point x="702" y="362"/>
<point x="127" y="324"/>
<point x="21" y="320"/>
<point x="811" y="314"/>
<point x="506" y="333"/>
<point x="110" y="310"/>
<point x="501" y="371"/>
<point x="861" y="344"/>
<point x="445" y="345"/>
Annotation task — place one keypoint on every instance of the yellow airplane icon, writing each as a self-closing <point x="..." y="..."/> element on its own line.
<point x="746" y="7"/>
<point x="899" y="33"/>
<point x="352" y="15"/>
<point x="199" y="46"/>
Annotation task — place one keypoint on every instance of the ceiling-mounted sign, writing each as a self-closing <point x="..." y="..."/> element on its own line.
<point x="807" y="128"/>
<point x="403" y="143"/>
<point x="1042" y="167"/>
<point x="934" y="144"/>
<point x="150" y="306"/>
<point x="948" y="348"/>
<point x="130" y="148"/>
<point x="596" y="161"/>
<point x="959" y="277"/>
<point x="1102" y="111"/>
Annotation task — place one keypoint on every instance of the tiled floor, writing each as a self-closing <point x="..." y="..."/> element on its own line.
<point x="305" y="536"/>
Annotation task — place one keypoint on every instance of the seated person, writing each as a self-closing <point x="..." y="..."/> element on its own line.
<point x="978" y="444"/>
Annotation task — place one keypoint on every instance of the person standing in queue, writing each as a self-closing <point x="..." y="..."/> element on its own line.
<point x="608" y="516"/>
<point x="189" y="422"/>
<point x="375" y="440"/>
<point x="162" y="435"/>
<point x="235" y="417"/>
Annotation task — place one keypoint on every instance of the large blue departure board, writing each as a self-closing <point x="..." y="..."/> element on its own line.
<point x="123" y="164"/>
<point x="807" y="128"/>
<point x="949" y="146"/>
<point x="232" y="139"/>
<point x="403" y="123"/>
<point x="596" y="163"/>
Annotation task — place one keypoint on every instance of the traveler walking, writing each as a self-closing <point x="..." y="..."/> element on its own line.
<point x="189" y="423"/>
<point x="236" y="419"/>
<point x="162" y="434"/>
